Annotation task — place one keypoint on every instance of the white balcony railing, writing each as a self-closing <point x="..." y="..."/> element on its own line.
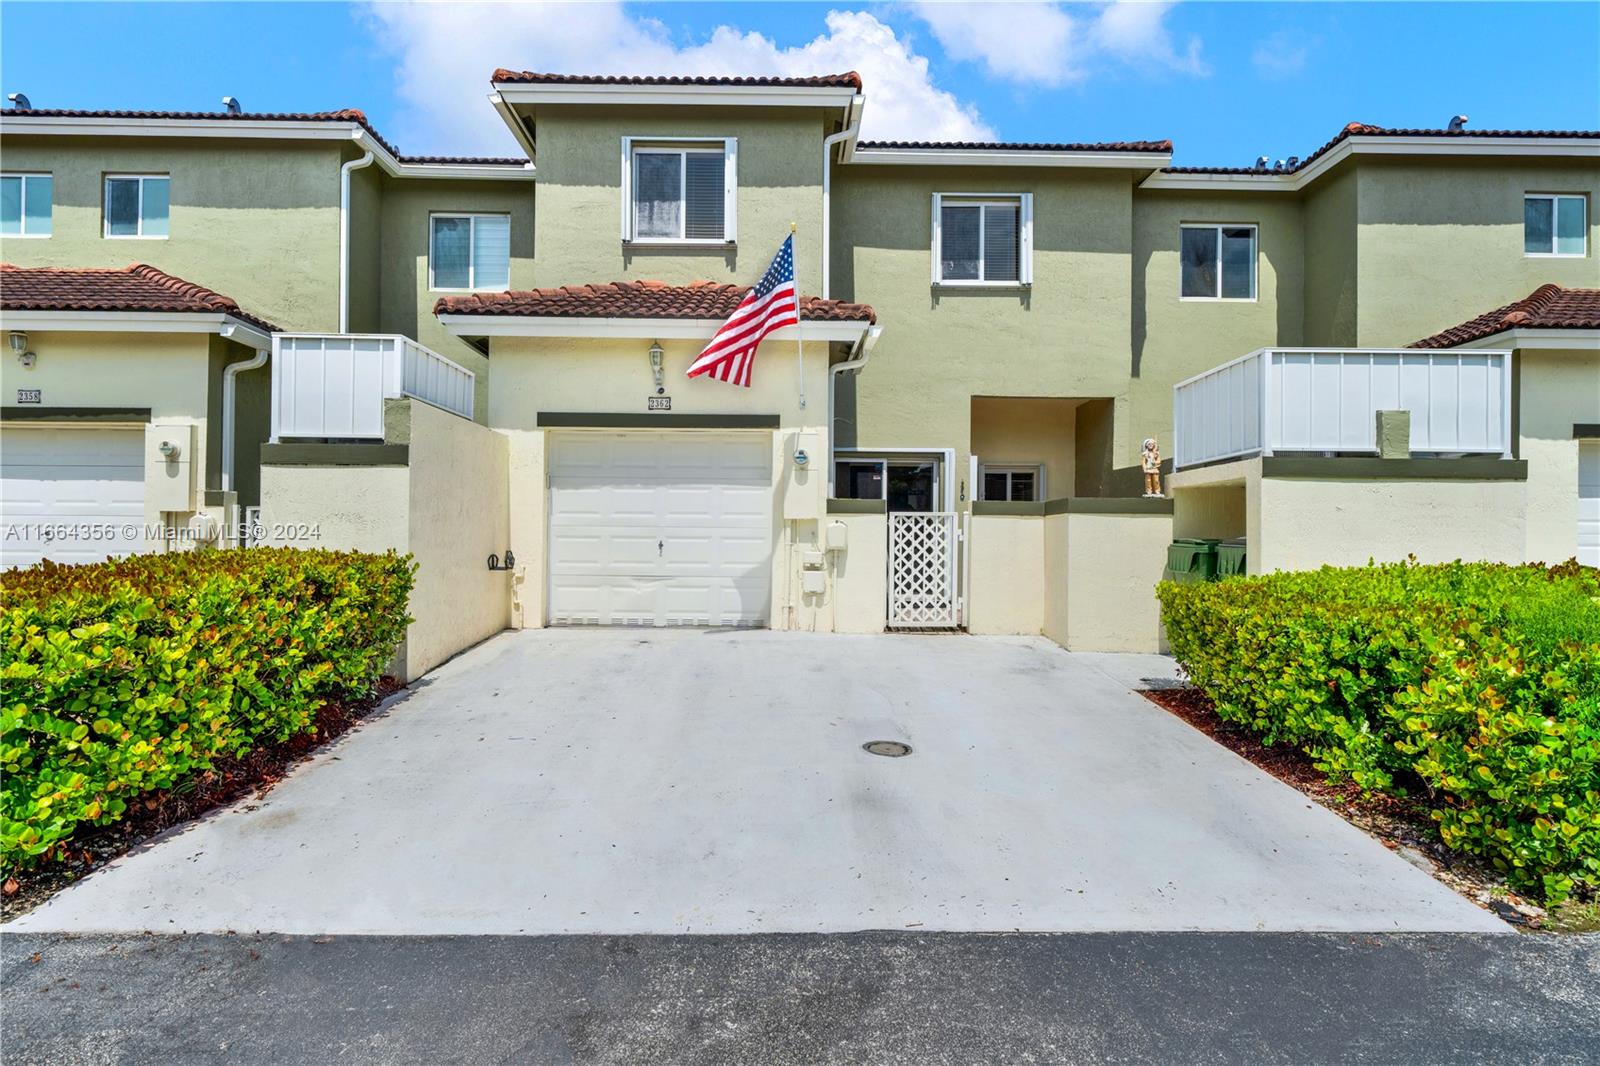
<point x="1325" y="400"/>
<point x="334" y="384"/>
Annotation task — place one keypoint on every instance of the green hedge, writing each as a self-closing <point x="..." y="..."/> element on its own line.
<point x="1476" y="684"/>
<point x="128" y="676"/>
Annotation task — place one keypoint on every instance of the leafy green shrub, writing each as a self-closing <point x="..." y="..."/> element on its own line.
<point x="1477" y="683"/>
<point x="128" y="676"/>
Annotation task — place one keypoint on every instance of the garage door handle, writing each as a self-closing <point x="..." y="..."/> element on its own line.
<point x="661" y="546"/>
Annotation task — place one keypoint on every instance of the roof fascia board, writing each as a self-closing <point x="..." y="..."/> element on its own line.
<point x="1269" y="182"/>
<point x="250" y="129"/>
<point x="980" y="158"/>
<point x="521" y="93"/>
<point x="138" y="322"/>
<point x="1534" y="339"/>
<point x="513" y="121"/>
<point x="464" y="325"/>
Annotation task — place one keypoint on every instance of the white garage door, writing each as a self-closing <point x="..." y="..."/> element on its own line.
<point x="1589" y="502"/>
<point x="665" y="529"/>
<point x="91" y="480"/>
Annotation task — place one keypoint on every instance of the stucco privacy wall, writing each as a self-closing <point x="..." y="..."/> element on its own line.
<point x="1006" y="591"/>
<point x="1558" y="389"/>
<point x="257" y="220"/>
<point x="442" y="499"/>
<point x="608" y="378"/>
<point x="859" y="585"/>
<point x="1101" y="572"/>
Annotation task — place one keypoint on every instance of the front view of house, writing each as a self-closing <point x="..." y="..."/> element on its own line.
<point x="1389" y="347"/>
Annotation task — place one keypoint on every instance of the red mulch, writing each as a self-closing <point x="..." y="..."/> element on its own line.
<point x="154" y="813"/>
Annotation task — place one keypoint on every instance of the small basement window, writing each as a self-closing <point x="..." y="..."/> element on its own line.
<point x="1017" y="484"/>
<point x="983" y="239"/>
<point x="137" y="205"/>
<point x="25" y="205"/>
<point x="470" y="253"/>
<point x="679" y="192"/>
<point x="1555" y="224"/>
<point x="1218" y="262"/>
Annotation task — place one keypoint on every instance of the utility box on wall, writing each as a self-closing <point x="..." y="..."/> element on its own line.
<point x="169" y="466"/>
<point x="803" y="488"/>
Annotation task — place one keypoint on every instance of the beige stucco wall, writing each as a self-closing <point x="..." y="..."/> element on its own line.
<point x="1006" y="590"/>
<point x="613" y="377"/>
<point x="858" y="584"/>
<point x="1012" y="430"/>
<point x="1212" y="511"/>
<point x="257" y="220"/>
<point x="1101" y="572"/>
<point x="1557" y="389"/>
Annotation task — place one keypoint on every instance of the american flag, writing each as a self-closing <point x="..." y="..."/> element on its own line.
<point x="771" y="305"/>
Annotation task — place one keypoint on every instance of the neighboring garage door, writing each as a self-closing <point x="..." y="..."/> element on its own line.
<point x="664" y="529"/>
<point x="1589" y="502"/>
<point x="89" y="479"/>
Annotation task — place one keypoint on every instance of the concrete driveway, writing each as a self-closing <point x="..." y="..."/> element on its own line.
<point x="627" y="781"/>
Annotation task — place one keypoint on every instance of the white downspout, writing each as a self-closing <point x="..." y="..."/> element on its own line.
<point x="848" y="133"/>
<point x="230" y="415"/>
<point x="344" y="237"/>
<point x="859" y="354"/>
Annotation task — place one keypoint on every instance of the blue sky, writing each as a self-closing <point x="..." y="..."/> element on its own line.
<point x="1226" y="81"/>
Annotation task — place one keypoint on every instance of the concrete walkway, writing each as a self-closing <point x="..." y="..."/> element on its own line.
<point x="628" y="781"/>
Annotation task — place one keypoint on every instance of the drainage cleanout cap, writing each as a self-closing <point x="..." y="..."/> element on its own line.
<point x="891" y="748"/>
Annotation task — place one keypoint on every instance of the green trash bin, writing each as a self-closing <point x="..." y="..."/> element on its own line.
<point x="1191" y="561"/>
<point x="1231" y="558"/>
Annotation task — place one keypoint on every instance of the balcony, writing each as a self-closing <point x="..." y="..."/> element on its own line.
<point x="333" y="385"/>
<point x="1324" y="401"/>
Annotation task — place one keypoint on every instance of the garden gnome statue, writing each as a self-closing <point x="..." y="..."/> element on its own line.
<point x="1150" y="457"/>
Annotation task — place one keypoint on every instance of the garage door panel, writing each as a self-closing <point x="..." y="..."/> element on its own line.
<point x="89" y="478"/>
<point x="660" y="529"/>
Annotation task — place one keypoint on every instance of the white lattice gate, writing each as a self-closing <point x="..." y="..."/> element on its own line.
<point x="923" y="590"/>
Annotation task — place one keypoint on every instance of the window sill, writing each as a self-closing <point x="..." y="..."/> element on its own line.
<point x="136" y="236"/>
<point x="25" y="236"/>
<point x="1219" y="299"/>
<point x="1555" y="255"/>
<point x="985" y="286"/>
<point x="459" y="292"/>
<point x="681" y="246"/>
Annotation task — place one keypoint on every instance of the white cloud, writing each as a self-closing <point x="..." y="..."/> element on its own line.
<point x="447" y="52"/>
<point x="1280" y="56"/>
<point x="1042" y="44"/>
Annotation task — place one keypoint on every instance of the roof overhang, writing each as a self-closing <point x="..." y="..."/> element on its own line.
<point x="223" y="325"/>
<point x="697" y="329"/>
<point x="1543" y="147"/>
<point x="12" y="122"/>
<point x="1534" y="339"/>
<point x="969" y="157"/>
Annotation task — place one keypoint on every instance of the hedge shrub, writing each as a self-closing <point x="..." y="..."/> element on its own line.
<point x="128" y="676"/>
<point x="1477" y="685"/>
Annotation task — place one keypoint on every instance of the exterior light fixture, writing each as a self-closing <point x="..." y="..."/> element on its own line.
<point x="656" y="355"/>
<point x="19" y="344"/>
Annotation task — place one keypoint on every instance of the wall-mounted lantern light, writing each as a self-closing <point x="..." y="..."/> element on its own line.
<point x="656" y="367"/>
<point x="19" y="344"/>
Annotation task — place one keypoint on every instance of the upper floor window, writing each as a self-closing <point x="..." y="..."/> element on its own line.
<point x="679" y="191"/>
<point x="25" y="205"/>
<point x="1014" y="483"/>
<point x="983" y="239"/>
<point x="1554" y="224"/>
<point x="1218" y="262"/>
<point x="469" y="252"/>
<point x="136" y="205"/>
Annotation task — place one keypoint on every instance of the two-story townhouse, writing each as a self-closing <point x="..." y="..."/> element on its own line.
<point x="983" y="327"/>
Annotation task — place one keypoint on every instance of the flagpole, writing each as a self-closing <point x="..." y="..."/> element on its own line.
<point x="799" y="341"/>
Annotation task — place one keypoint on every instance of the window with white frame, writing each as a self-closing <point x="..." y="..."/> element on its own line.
<point x="1023" y="484"/>
<point x="137" y="205"/>
<point x="1555" y="224"/>
<point x="679" y="191"/>
<point x="1218" y="262"/>
<point x="25" y="205"/>
<point x="469" y="252"/>
<point x="983" y="239"/>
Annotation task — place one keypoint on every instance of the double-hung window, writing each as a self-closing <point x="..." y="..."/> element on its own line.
<point x="469" y="252"/>
<point x="136" y="205"/>
<point x="1218" y="262"/>
<point x="1020" y="484"/>
<point x="1554" y="224"/>
<point x="983" y="239"/>
<point x="25" y="205"/>
<point x="679" y="191"/>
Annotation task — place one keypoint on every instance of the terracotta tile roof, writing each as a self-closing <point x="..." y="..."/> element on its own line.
<point x="1363" y="129"/>
<point x="349" y="114"/>
<point x="1547" y="307"/>
<point x="1018" y="146"/>
<point x="848" y="80"/>
<point x="134" y="288"/>
<point x="638" y="299"/>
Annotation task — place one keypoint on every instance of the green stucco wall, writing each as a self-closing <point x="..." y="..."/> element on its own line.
<point x="580" y="193"/>
<point x="1441" y="240"/>
<point x="1330" y="273"/>
<point x="256" y="220"/>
